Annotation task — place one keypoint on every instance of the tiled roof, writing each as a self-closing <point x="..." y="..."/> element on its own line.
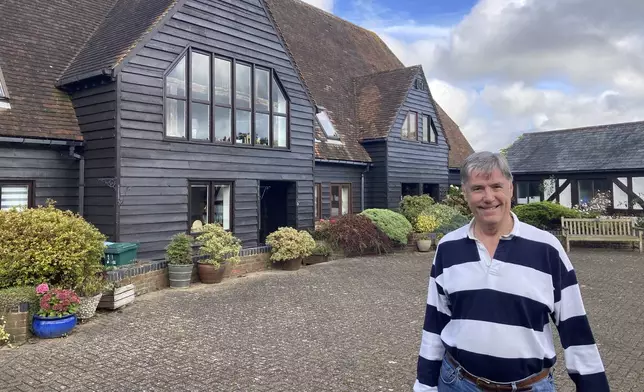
<point x="38" y="39"/>
<point x="459" y="147"/>
<point x="331" y="53"/>
<point x="124" y="26"/>
<point x="378" y="97"/>
<point x="598" y="148"/>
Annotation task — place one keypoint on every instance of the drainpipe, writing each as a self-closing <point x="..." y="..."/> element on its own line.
<point x="81" y="180"/>
<point x="362" y="187"/>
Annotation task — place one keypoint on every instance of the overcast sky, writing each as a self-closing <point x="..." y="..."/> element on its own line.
<point x="504" y="67"/>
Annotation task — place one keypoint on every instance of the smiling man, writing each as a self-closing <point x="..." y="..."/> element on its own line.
<point x="493" y="286"/>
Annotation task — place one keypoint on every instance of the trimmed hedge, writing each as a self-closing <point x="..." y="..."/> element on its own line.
<point x="393" y="224"/>
<point x="544" y="215"/>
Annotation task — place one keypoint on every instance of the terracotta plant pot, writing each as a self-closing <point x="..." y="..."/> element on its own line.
<point x="209" y="274"/>
<point x="424" y="245"/>
<point x="289" y="265"/>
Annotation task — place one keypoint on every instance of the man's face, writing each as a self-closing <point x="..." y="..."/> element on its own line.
<point x="489" y="196"/>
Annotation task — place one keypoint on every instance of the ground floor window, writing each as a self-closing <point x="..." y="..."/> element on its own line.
<point x="410" y="189"/>
<point x="15" y="194"/>
<point x="528" y="191"/>
<point x="210" y="202"/>
<point x="318" y="201"/>
<point x="340" y="199"/>
<point x="588" y="189"/>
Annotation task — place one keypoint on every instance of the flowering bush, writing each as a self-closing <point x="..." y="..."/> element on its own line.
<point x="56" y="302"/>
<point x="358" y="235"/>
<point x="321" y="231"/>
<point x="219" y="245"/>
<point x="4" y="336"/>
<point x="426" y="224"/>
<point x="441" y="212"/>
<point x="288" y="243"/>
<point x="596" y="207"/>
<point x="393" y="224"/>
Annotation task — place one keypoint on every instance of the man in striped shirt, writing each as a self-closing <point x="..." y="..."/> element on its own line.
<point x="493" y="286"/>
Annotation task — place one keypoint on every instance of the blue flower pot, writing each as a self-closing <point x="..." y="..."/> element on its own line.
<point x="52" y="327"/>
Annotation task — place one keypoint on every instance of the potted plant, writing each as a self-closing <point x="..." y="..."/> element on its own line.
<point x="289" y="246"/>
<point x="320" y="253"/>
<point x="221" y="248"/>
<point x="179" y="257"/>
<point x="425" y="226"/>
<point x="90" y="293"/>
<point x="56" y="316"/>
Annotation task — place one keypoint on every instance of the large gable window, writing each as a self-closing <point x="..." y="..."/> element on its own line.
<point x="429" y="130"/>
<point x="213" y="99"/>
<point x="410" y="127"/>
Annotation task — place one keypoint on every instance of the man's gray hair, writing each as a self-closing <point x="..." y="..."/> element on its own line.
<point x="485" y="162"/>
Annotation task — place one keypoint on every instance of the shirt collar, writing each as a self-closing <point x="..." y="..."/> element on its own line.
<point x="512" y="234"/>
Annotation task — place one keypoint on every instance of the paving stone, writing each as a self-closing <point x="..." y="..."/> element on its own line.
<point x="347" y="325"/>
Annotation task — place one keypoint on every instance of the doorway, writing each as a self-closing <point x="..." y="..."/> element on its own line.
<point x="277" y="207"/>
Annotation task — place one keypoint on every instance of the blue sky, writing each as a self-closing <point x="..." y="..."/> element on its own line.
<point x="504" y="67"/>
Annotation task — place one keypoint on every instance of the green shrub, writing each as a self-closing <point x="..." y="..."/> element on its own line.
<point x="394" y="225"/>
<point x="46" y="244"/>
<point x="288" y="243"/>
<point x="14" y="296"/>
<point x="441" y="212"/>
<point x="412" y="206"/>
<point x="426" y="224"/>
<point x="455" y="223"/>
<point x="219" y="245"/>
<point x="358" y="235"/>
<point x="179" y="250"/>
<point x="322" y="249"/>
<point x="456" y="199"/>
<point x="544" y="215"/>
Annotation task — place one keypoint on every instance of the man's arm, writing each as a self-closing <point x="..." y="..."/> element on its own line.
<point x="582" y="358"/>
<point x="437" y="315"/>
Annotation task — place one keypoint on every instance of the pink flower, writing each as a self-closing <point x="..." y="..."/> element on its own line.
<point x="42" y="288"/>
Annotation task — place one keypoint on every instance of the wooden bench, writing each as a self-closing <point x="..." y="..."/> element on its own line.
<point x="605" y="230"/>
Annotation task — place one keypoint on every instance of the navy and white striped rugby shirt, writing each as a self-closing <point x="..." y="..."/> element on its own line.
<point x="493" y="315"/>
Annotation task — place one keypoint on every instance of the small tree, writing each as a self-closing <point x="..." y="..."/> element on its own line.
<point x="179" y="250"/>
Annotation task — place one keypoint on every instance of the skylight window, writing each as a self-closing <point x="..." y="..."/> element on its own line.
<point x="327" y="125"/>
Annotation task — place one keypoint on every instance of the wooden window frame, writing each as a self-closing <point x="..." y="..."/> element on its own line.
<point x="31" y="199"/>
<point x="273" y="78"/>
<point x="318" y="201"/>
<point x="340" y="185"/>
<point x="211" y="184"/>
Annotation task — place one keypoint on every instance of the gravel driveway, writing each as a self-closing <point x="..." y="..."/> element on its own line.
<point x="347" y="325"/>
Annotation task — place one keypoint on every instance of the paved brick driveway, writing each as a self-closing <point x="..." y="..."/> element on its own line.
<point x="349" y="325"/>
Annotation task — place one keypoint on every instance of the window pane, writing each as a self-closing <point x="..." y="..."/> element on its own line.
<point x="346" y="199"/>
<point x="279" y="102"/>
<point x="426" y="129"/>
<point x="404" y="131"/>
<point x="638" y="189"/>
<point x="242" y="86"/>
<point x="175" y="121"/>
<point x="223" y="125"/>
<point x="200" y="121"/>
<point x="585" y="191"/>
<point x="1" y="91"/>
<point x="198" y="207"/>
<point x="222" y="205"/>
<point x="222" y="81"/>
<point x="279" y="131"/>
<point x="262" y="124"/>
<point x="326" y="124"/>
<point x="433" y="134"/>
<point x="262" y="98"/>
<point x="335" y="200"/>
<point x="413" y="126"/>
<point x="620" y="198"/>
<point x="242" y="127"/>
<point x="175" y="82"/>
<point x="14" y="196"/>
<point x="200" y="76"/>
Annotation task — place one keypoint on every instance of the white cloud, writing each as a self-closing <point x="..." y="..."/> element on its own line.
<point x="512" y="66"/>
<point x="326" y="5"/>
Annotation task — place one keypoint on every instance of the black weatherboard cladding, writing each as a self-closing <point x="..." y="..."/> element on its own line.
<point x="328" y="174"/>
<point x="52" y="173"/>
<point x="598" y="148"/>
<point x="155" y="171"/>
<point x="376" y="178"/>
<point x="414" y="161"/>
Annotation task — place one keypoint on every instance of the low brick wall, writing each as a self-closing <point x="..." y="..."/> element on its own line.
<point x="16" y="323"/>
<point x="251" y="260"/>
